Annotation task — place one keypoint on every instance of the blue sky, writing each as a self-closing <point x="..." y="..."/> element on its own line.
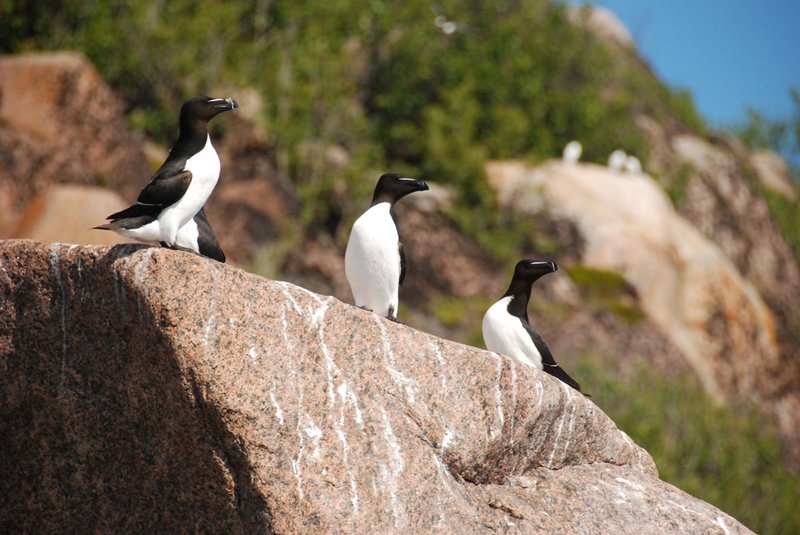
<point x="730" y="54"/>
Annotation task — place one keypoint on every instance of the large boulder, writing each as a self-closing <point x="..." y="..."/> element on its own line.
<point x="68" y="212"/>
<point x="145" y="389"/>
<point x="603" y="23"/>
<point x="685" y="283"/>
<point x="728" y="208"/>
<point x="773" y="173"/>
<point x="60" y="123"/>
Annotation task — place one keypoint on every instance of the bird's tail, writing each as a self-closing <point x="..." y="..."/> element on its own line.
<point x="556" y="371"/>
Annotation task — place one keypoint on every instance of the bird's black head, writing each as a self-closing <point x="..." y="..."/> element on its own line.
<point x="531" y="270"/>
<point x="392" y="187"/>
<point x="525" y="274"/>
<point x="205" y="108"/>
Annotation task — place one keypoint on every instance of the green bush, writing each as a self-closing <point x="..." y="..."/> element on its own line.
<point x="607" y="290"/>
<point x="728" y="456"/>
<point x="786" y="213"/>
<point x="383" y="81"/>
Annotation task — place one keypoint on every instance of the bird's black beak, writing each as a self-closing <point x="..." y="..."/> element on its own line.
<point x="226" y="104"/>
<point x="544" y="267"/>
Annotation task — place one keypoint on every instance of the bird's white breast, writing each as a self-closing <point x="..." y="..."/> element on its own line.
<point x="504" y="334"/>
<point x="372" y="260"/>
<point x="205" y="168"/>
<point x="188" y="236"/>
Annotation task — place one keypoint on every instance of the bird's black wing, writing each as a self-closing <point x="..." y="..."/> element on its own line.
<point x="207" y="240"/>
<point x="402" y="261"/>
<point x="165" y="187"/>
<point x="136" y="215"/>
<point x="548" y="362"/>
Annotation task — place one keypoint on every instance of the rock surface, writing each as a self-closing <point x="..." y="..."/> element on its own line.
<point x="684" y="282"/>
<point x="773" y="173"/>
<point x="725" y="206"/>
<point x="146" y="389"/>
<point x="67" y="212"/>
<point x="603" y="22"/>
<point x="60" y="123"/>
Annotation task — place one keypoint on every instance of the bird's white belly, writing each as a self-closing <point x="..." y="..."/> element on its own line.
<point x="205" y="168"/>
<point x="372" y="261"/>
<point x="188" y="236"/>
<point x="504" y="334"/>
<point x="150" y="232"/>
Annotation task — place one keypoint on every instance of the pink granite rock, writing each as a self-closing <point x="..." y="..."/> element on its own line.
<point x="144" y="389"/>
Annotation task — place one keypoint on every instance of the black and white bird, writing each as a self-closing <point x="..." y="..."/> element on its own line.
<point x="374" y="261"/>
<point x="181" y="186"/>
<point x="507" y="331"/>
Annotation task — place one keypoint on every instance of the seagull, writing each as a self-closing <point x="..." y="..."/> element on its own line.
<point x="572" y="152"/>
<point x="616" y="160"/>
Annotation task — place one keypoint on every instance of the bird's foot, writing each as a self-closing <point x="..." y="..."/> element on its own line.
<point x="394" y="319"/>
<point x="179" y="248"/>
<point x="362" y="307"/>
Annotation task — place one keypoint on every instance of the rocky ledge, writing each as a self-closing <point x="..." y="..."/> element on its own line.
<point x="144" y="389"/>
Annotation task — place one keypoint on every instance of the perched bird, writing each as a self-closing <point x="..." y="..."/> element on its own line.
<point x="374" y="261"/>
<point x="616" y="160"/>
<point x="633" y="165"/>
<point x="197" y="236"/>
<point x="506" y="329"/>
<point x="572" y="152"/>
<point x="179" y="189"/>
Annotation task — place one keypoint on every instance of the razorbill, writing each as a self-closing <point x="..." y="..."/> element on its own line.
<point x="506" y="329"/>
<point x="374" y="262"/>
<point x="197" y="236"/>
<point x="181" y="186"/>
<point x="572" y="152"/>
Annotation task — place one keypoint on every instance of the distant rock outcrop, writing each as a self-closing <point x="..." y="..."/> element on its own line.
<point x="603" y="23"/>
<point x="725" y="204"/>
<point x="685" y="283"/>
<point x="147" y="389"/>
<point x="773" y="173"/>
<point x="60" y="123"/>
<point x="71" y="210"/>
<point x="728" y="208"/>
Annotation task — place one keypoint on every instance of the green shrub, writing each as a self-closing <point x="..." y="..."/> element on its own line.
<point x="786" y="213"/>
<point x="608" y="290"/>
<point x="729" y="456"/>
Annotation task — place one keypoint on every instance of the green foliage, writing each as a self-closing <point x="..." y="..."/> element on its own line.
<point x="384" y="81"/>
<point x="608" y="290"/>
<point x="786" y="213"/>
<point x="461" y="316"/>
<point x="681" y="103"/>
<point x="598" y="282"/>
<point x="779" y="135"/>
<point x="458" y="311"/>
<point x="675" y="183"/>
<point x="727" y="456"/>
